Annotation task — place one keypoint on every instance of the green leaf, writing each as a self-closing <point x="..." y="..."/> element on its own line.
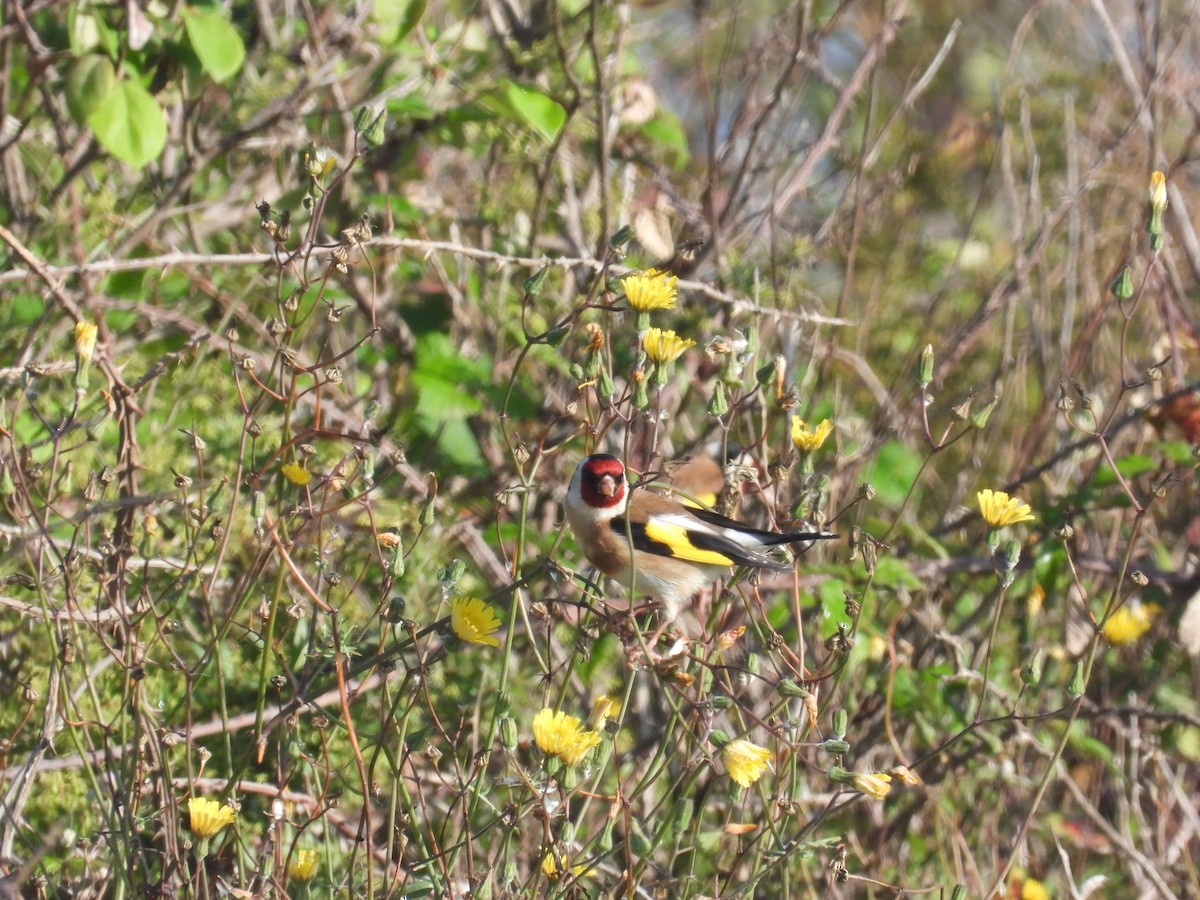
<point x="893" y="573"/>
<point x="129" y="124"/>
<point x="535" y="109"/>
<point x="441" y="401"/>
<point x="896" y="467"/>
<point x="1185" y="741"/>
<point x="667" y="132"/>
<point x="1129" y="466"/>
<point x="83" y="29"/>
<point x="89" y="81"/>
<point x="397" y="18"/>
<point x="832" y="595"/>
<point x="216" y="42"/>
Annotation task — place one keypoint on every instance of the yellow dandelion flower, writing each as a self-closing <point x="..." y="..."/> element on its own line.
<point x="806" y="439"/>
<point x="663" y="347"/>
<point x="304" y="866"/>
<point x="474" y="621"/>
<point x="874" y="784"/>
<point x="1158" y="192"/>
<point x="1130" y="622"/>
<point x="562" y="735"/>
<point x="603" y="709"/>
<point x="999" y="509"/>
<point x="649" y="290"/>
<point x="296" y="474"/>
<point x="554" y="866"/>
<point x="1033" y="889"/>
<point x="207" y="817"/>
<point x="745" y="761"/>
<point x="85" y="341"/>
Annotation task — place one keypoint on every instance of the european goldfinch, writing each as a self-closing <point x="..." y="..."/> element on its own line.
<point x="656" y="545"/>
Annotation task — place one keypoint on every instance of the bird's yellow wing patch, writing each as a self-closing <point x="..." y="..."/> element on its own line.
<point x="676" y="537"/>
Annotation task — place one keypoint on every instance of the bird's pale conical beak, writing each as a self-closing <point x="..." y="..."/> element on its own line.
<point x="607" y="487"/>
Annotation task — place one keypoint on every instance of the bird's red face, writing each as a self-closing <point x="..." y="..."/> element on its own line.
<point x="602" y="481"/>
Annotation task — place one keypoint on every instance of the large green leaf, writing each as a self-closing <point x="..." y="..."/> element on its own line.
<point x="216" y="42"/>
<point x="89" y="81"/>
<point x="666" y="131"/>
<point x="129" y="124"/>
<point x="896" y="468"/>
<point x="535" y="109"/>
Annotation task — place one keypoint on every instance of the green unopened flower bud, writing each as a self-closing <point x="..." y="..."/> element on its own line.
<point x="396" y="561"/>
<point x="258" y="505"/>
<point x="429" y="507"/>
<point x="7" y="488"/>
<point x="508" y="872"/>
<point x="508" y="733"/>
<point x="600" y="756"/>
<point x="719" y="738"/>
<point x="788" y="688"/>
<point x="639" y="843"/>
<point x="683" y="814"/>
<point x="753" y="663"/>
<point x="1031" y="672"/>
<point x="1012" y="554"/>
<point x="980" y="417"/>
<point x="605" y="842"/>
<point x="1122" y="286"/>
<point x="835" y="746"/>
<point x="925" y="367"/>
<point x="621" y="237"/>
<point x="838" y="775"/>
<point x="641" y="394"/>
<point x="375" y="133"/>
<point x="605" y="387"/>
<point x="450" y="574"/>
<point x="1078" y="685"/>
<point x="766" y="374"/>
<point x="719" y="404"/>
<point x="535" y="282"/>
<point x="959" y="892"/>
<point x="720" y="701"/>
<point x="840" y="720"/>
<point x="364" y="117"/>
